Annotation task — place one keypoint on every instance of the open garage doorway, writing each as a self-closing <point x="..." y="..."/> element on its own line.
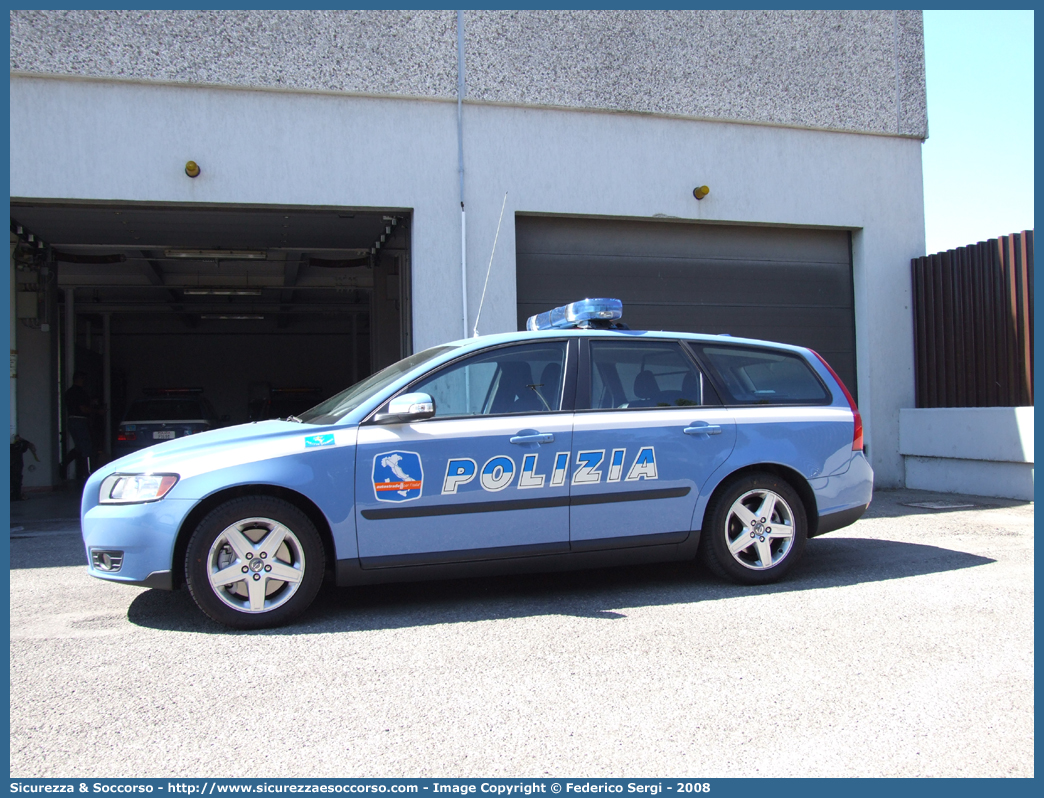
<point x="263" y="310"/>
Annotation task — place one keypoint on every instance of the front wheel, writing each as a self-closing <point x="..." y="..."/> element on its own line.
<point x="757" y="530"/>
<point x="254" y="562"/>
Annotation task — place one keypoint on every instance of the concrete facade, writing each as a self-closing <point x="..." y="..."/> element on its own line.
<point x="629" y="112"/>
<point x="838" y="70"/>
<point x="985" y="451"/>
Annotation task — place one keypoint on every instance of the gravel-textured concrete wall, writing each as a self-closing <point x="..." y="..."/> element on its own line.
<point x="841" y="70"/>
<point x="833" y="69"/>
<point x="411" y="53"/>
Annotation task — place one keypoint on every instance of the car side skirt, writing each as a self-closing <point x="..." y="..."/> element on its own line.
<point x="637" y="550"/>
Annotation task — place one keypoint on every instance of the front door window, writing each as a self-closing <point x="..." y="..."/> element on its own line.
<point x="514" y="379"/>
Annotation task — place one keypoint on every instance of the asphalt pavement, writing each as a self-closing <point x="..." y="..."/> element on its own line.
<point x="901" y="646"/>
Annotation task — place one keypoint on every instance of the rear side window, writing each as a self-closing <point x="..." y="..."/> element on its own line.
<point x="752" y="376"/>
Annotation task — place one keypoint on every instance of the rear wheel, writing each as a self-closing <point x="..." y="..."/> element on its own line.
<point x="756" y="531"/>
<point x="254" y="562"/>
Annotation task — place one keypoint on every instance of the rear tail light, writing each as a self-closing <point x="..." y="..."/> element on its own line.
<point x="857" y="434"/>
<point x="127" y="436"/>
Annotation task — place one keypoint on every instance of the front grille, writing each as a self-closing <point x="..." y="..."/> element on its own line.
<point x="106" y="560"/>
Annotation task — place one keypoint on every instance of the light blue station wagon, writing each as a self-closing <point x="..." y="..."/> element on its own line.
<point x="577" y="443"/>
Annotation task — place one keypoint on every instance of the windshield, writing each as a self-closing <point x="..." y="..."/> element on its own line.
<point x="337" y="407"/>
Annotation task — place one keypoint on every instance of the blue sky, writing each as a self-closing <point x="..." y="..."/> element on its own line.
<point x="978" y="159"/>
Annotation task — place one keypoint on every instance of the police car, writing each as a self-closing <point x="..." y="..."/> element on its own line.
<point x="577" y="443"/>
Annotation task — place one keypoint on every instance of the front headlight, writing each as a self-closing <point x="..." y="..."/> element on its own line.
<point x="130" y="488"/>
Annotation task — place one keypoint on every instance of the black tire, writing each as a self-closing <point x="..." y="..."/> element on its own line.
<point x="232" y="543"/>
<point x="722" y="546"/>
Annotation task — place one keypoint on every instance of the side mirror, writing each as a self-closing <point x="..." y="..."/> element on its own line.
<point x="407" y="407"/>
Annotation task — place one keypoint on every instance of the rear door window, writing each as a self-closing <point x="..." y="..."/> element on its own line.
<point x="755" y="376"/>
<point x="630" y="375"/>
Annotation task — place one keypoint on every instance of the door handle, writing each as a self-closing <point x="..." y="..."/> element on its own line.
<point x="537" y="437"/>
<point x="703" y="429"/>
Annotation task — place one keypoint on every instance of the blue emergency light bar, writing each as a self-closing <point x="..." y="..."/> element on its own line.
<point x="577" y="314"/>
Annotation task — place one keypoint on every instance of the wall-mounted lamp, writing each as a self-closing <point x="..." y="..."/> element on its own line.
<point x="700" y="192"/>
<point x="192" y="169"/>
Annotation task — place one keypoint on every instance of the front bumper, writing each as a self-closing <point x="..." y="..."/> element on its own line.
<point x="145" y="533"/>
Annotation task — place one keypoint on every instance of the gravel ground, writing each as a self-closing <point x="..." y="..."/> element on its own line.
<point x="901" y="646"/>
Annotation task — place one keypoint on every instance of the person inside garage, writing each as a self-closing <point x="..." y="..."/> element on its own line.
<point x="79" y="409"/>
<point x="19" y="446"/>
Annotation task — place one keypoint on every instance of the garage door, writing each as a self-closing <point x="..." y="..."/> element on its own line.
<point x="781" y="284"/>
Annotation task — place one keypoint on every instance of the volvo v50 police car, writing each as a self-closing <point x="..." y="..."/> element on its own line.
<point x="577" y="443"/>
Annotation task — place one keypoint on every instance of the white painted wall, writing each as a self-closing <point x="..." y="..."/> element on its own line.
<point x="131" y="141"/>
<point x="1003" y="434"/>
<point x="971" y="477"/>
<point x="984" y="451"/>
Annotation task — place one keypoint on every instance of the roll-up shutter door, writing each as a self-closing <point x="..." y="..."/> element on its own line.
<point x="792" y="285"/>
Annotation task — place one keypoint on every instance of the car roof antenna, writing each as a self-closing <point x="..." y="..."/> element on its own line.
<point x="475" y="332"/>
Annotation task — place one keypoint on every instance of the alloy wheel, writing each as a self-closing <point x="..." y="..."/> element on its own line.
<point x="759" y="529"/>
<point x="255" y="565"/>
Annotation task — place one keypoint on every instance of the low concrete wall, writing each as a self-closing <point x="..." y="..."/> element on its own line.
<point x="986" y="451"/>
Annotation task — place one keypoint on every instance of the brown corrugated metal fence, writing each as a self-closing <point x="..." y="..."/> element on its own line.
<point x="973" y="324"/>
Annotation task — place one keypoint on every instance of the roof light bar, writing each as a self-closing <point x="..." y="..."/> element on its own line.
<point x="170" y="391"/>
<point x="577" y="314"/>
<point x="222" y="291"/>
<point x="217" y="254"/>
